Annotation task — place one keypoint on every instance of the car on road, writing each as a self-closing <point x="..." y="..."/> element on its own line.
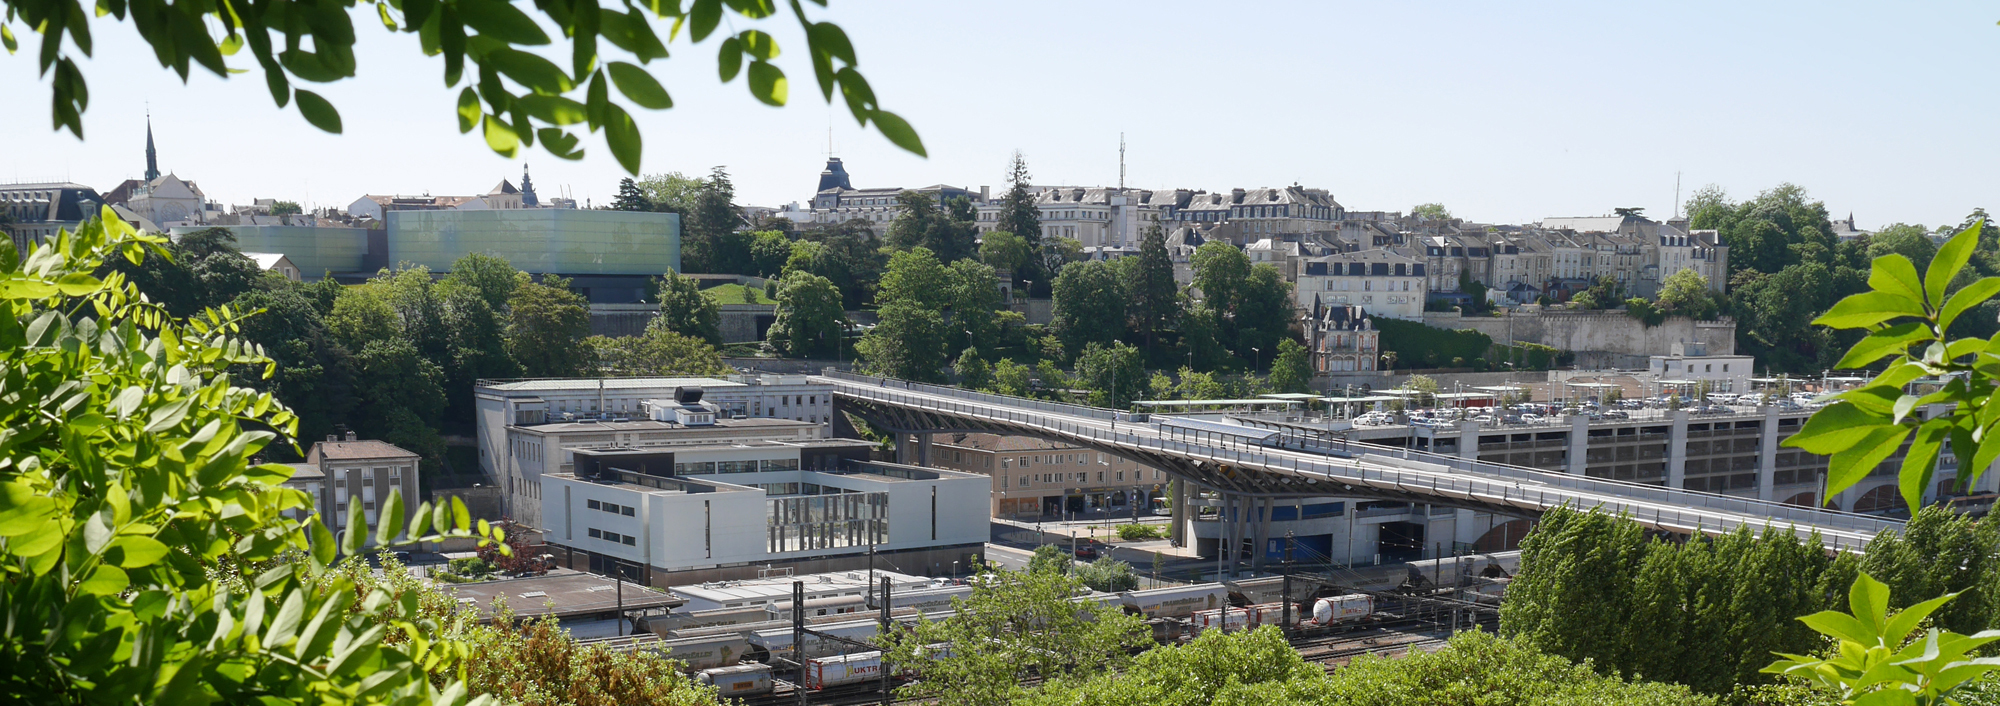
<point x="1088" y="549"/>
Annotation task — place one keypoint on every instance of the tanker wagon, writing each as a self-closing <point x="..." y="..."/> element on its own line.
<point x="738" y="681"/>
<point x="1177" y="602"/>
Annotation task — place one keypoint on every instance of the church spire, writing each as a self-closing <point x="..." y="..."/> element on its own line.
<point x="528" y="199"/>
<point x="152" y="159"/>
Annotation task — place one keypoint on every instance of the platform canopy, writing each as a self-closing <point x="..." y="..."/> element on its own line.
<point x="1465" y="395"/>
<point x="1212" y="403"/>
<point x="1291" y="396"/>
<point x="1593" y="385"/>
<point x="1499" y="388"/>
<point x="1354" y="400"/>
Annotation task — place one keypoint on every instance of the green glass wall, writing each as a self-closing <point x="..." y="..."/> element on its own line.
<point x="563" y="241"/>
<point x="315" y="250"/>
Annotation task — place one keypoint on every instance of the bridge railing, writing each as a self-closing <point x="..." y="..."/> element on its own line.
<point x="1641" y="491"/>
<point x="960" y="393"/>
<point x="1539" y="490"/>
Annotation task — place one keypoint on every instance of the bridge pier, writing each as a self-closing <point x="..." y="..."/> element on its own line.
<point x="1177" y="494"/>
<point x="1263" y="535"/>
<point x="914" y="449"/>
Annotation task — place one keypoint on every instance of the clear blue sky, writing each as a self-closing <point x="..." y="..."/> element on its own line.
<point x="1505" y="112"/>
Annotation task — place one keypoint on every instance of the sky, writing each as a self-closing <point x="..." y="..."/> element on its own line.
<point x="1503" y="112"/>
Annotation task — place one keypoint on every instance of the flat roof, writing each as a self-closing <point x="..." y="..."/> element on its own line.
<point x="1212" y="427"/>
<point x="651" y="425"/>
<point x="780" y="587"/>
<point x="1296" y="396"/>
<point x="579" y="384"/>
<point x="562" y="593"/>
<point x="1205" y="403"/>
<point x="1500" y="388"/>
<point x="1464" y="396"/>
<point x="1594" y="385"/>
<point x="1368" y="398"/>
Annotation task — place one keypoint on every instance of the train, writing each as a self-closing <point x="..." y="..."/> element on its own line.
<point x="736" y="656"/>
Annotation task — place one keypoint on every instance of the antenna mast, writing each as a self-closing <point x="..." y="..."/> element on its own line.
<point x="1677" y="194"/>
<point x="1121" y="161"/>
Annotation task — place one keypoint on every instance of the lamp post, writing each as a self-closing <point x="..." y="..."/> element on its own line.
<point x="1258" y="361"/>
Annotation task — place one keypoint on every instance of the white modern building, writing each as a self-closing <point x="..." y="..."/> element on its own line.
<point x="677" y="514"/>
<point x="1688" y="365"/>
<point x="526" y="427"/>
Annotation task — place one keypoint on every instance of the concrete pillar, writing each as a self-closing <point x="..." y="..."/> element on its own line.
<point x="924" y="449"/>
<point x="1245" y="507"/>
<point x="1767" y="454"/>
<point x="1177" y="492"/>
<point x="1468" y="440"/>
<point x="904" y="449"/>
<point x="1677" y="448"/>
<point x="1263" y="534"/>
<point x="1223" y="526"/>
<point x="1579" y="443"/>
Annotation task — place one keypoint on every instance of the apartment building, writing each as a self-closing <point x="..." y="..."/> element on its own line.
<point x="1384" y="282"/>
<point x="1036" y="478"/>
<point x="342" y="472"/>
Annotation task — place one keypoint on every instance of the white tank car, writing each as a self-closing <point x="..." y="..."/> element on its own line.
<point x="839" y="670"/>
<point x="705" y="652"/>
<point x="738" y="681"/>
<point x="1177" y="602"/>
<point x="779" y="641"/>
<point x="665" y="625"/>
<point x="929" y="600"/>
<point x="1342" y="609"/>
<point x="820" y="607"/>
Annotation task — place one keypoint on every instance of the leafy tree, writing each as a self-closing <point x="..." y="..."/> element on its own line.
<point x="972" y="370"/>
<point x="1257" y="667"/>
<point x="1912" y="242"/>
<point x="1058" y="252"/>
<point x="809" y="321"/>
<point x="532" y="101"/>
<point x="1201" y="334"/>
<point x="1263" y="313"/>
<point x="769" y="251"/>
<point x="672" y="192"/>
<point x="1643" y="310"/>
<point x="1431" y="212"/>
<point x="1942" y="552"/>
<point x="1605" y="293"/>
<point x="1115" y="374"/>
<point x="1005" y="251"/>
<point x="362" y="315"/>
<point x="491" y="278"/>
<point x="202" y="270"/>
<point x="1686" y="293"/>
<point x="630" y="198"/>
<point x="709" y="242"/>
<point x="1908" y="319"/>
<point x="1479" y="668"/>
<point x="656" y="352"/>
<point x="917" y="277"/>
<point x="975" y="302"/>
<point x="1292" y="370"/>
<point x="1155" y="300"/>
<point x="401" y="395"/>
<point x="1107" y="575"/>
<point x="309" y="365"/>
<point x="1011" y="378"/>
<point x="136" y="517"/>
<point x="848" y="254"/>
<point x="420" y="319"/>
<point x="1090" y="304"/>
<point x="907" y="342"/>
<point x="478" y="336"/>
<point x="947" y="228"/>
<point x="1879" y="658"/>
<point x="685" y="311"/>
<point x="1013" y="625"/>
<point x="547" y="328"/>
<point x="286" y="208"/>
<point x="1020" y="216"/>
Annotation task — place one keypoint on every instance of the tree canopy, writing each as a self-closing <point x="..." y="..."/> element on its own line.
<point x="511" y="96"/>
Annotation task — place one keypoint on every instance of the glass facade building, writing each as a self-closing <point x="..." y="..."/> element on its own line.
<point x="315" y="250"/>
<point x="563" y="241"/>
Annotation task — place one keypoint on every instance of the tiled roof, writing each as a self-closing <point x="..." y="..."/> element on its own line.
<point x="356" y="450"/>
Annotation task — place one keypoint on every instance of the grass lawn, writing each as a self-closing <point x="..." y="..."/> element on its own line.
<point x="733" y="294"/>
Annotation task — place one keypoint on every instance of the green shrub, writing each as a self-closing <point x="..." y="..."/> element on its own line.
<point x="1137" y="531"/>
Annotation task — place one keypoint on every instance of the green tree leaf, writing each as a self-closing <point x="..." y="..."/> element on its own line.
<point x="533" y="72"/>
<point x="1920" y="463"/>
<point x="767" y="83"/>
<point x="758" y="44"/>
<point x="1894" y="274"/>
<point x="317" y="111"/>
<point x="468" y="110"/>
<point x="1835" y="428"/>
<point x="623" y="137"/>
<point x="391" y="525"/>
<point x="1868" y="309"/>
<point x="1890" y="341"/>
<point x="501" y="20"/>
<point x="22" y="510"/>
<point x="639" y="86"/>
<point x="729" y="59"/>
<point x="1972" y="295"/>
<point x="1850" y="465"/>
<point x="1949" y="260"/>
<point x="898" y="131"/>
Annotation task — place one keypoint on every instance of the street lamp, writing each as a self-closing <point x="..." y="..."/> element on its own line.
<point x="1257" y="362"/>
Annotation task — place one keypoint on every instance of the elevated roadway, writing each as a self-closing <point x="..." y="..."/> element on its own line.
<point x="1249" y="465"/>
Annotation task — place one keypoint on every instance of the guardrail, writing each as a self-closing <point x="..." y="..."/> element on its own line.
<point x="1421" y="472"/>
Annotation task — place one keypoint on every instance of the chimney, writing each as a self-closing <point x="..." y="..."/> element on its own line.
<point x="331" y="437"/>
<point x="985" y="194"/>
<point x="350" y="436"/>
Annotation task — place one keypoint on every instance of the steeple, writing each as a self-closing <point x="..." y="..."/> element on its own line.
<point x="152" y="159"/>
<point x="528" y="199"/>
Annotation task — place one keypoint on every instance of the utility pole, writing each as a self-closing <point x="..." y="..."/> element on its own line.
<point x="883" y="629"/>
<point x="1286" y="626"/>
<point x="799" y="638"/>
<point x="618" y="579"/>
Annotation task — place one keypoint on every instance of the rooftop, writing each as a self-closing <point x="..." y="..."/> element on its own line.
<point x="651" y="425"/>
<point x="780" y="587"/>
<point x="353" y="450"/>
<point x="567" y="384"/>
<point x="560" y="593"/>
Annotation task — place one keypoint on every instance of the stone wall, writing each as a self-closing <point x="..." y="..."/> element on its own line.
<point x="1596" y="336"/>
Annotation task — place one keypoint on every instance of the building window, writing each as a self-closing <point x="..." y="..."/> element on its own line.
<point x="592" y="504"/>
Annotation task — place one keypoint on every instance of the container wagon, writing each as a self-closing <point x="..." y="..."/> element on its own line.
<point x="1177" y="602"/>
<point x="840" y="670"/>
<point x="706" y="652"/>
<point x="739" y="681"/>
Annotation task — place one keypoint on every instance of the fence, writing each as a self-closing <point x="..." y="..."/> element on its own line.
<point x="1477" y="482"/>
